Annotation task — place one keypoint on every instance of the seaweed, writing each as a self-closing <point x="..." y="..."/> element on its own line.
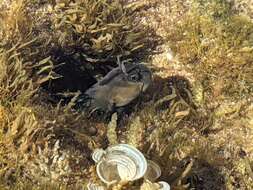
<point x="215" y="41"/>
<point x="83" y="38"/>
<point x="199" y="131"/>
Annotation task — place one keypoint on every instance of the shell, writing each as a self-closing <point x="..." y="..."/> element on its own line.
<point x="164" y="185"/>
<point x="98" y="154"/>
<point x="121" y="162"/>
<point x="161" y="185"/>
<point x="107" y="171"/>
<point x="126" y="167"/>
<point x="153" y="171"/>
<point x="92" y="186"/>
<point x="148" y="185"/>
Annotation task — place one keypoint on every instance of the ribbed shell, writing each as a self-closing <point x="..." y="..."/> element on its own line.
<point x="120" y="162"/>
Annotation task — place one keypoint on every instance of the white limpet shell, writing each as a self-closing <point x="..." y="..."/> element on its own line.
<point x="153" y="171"/>
<point x="140" y="162"/>
<point x="92" y="186"/>
<point x="164" y="185"/>
<point x="98" y="154"/>
<point x="126" y="167"/>
<point x="148" y="185"/>
<point x="161" y="185"/>
<point x="121" y="162"/>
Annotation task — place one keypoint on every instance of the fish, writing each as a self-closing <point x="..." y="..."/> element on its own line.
<point x="117" y="89"/>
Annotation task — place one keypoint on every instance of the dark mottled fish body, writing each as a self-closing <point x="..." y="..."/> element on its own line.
<point x="117" y="89"/>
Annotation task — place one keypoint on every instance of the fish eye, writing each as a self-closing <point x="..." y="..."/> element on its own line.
<point x="134" y="77"/>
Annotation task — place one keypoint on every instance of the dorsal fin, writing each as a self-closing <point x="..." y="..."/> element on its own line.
<point x="109" y="76"/>
<point x="116" y="71"/>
